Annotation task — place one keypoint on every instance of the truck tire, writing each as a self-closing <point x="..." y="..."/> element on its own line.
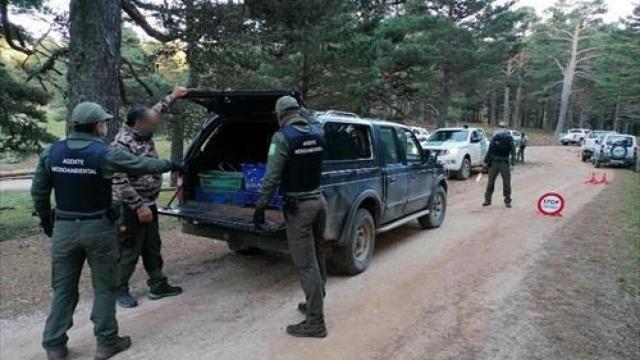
<point x="437" y="210"/>
<point x="354" y="257"/>
<point x="583" y="157"/>
<point x="465" y="169"/>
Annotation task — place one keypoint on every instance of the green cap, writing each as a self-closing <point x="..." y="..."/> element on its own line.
<point x="89" y="113"/>
<point x="286" y="103"/>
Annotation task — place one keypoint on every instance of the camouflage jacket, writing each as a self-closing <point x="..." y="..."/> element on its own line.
<point x="136" y="191"/>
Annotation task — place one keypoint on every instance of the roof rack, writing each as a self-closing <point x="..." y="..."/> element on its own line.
<point x="342" y="113"/>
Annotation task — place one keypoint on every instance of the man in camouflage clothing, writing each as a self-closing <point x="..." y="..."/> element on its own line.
<point x="138" y="228"/>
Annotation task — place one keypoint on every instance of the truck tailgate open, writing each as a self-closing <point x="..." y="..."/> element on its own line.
<point x="224" y="216"/>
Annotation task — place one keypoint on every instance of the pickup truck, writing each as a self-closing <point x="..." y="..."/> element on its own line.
<point x="459" y="149"/>
<point x="375" y="178"/>
<point x="592" y="142"/>
<point x="575" y="136"/>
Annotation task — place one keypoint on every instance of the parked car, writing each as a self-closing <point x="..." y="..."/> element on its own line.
<point x="617" y="149"/>
<point x="376" y="177"/>
<point x="574" y="136"/>
<point x="459" y="149"/>
<point x="592" y="142"/>
<point x="422" y="134"/>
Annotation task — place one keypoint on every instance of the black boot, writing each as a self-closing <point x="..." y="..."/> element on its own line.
<point x="106" y="351"/>
<point x="305" y="329"/>
<point x="164" y="290"/>
<point x="58" y="354"/>
<point x="486" y="203"/>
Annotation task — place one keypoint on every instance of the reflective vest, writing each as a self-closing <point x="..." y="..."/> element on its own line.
<point x="303" y="169"/>
<point x="78" y="183"/>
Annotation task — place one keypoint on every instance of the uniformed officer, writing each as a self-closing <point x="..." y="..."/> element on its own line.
<point x="524" y="141"/>
<point x="295" y="163"/>
<point x="499" y="160"/>
<point x="136" y="196"/>
<point x="79" y="170"/>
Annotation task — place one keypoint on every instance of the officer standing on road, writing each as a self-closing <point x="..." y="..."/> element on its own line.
<point x="524" y="140"/>
<point x="136" y="196"/>
<point x="499" y="160"/>
<point x="79" y="170"/>
<point x="295" y="163"/>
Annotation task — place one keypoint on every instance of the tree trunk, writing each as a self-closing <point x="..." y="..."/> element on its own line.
<point x="567" y="83"/>
<point x="445" y="98"/>
<point x="584" y="111"/>
<point x="517" y="121"/>
<point x="506" y="112"/>
<point x="94" y="56"/>
<point x="177" y="123"/>
<point x="616" y="117"/>
<point x="494" y="108"/>
<point x="545" y="116"/>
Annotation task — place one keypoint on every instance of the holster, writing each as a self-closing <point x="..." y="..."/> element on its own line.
<point x="127" y="220"/>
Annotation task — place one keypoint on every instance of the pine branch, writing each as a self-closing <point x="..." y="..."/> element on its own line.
<point x="136" y="77"/>
<point x="136" y="16"/>
<point x="7" y="27"/>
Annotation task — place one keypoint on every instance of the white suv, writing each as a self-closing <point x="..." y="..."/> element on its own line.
<point x="575" y="136"/>
<point x="459" y="149"/>
<point x="617" y="149"/>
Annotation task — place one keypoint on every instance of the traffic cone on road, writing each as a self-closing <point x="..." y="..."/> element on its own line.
<point x="592" y="179"/>
<point x="604" y="179"/>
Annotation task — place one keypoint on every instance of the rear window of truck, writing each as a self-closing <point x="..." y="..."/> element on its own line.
<point x="347" y="142"/>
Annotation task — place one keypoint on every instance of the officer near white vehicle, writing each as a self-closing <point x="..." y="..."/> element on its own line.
<point x="499" y="161"/>
<point x="295" y="163"/>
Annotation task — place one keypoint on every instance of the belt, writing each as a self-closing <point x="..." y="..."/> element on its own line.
<point x="104" y="215"/>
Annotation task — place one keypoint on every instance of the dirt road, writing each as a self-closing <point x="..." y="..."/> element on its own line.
<point x="450" y="293"/>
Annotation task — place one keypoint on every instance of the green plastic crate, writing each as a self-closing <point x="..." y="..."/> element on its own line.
<point x="221" y="180"/>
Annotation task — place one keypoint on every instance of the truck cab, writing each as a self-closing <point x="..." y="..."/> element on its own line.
<point x="375" y="178"/>
<point x="459" y="149"/>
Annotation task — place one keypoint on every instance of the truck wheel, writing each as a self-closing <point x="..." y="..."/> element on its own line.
<point x="437" y="210"/>
<point x="354" y="257"/>
<point x="465" y="169"/>
<point x="583" y="157"/>
<point x="564" y="143"/>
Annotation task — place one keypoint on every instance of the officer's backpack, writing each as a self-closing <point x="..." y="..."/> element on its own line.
<point x="501" y="145"/>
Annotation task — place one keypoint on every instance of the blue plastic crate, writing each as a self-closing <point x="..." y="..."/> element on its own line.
<point x="253" y="176"/>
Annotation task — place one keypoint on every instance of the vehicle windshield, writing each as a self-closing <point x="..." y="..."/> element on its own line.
<point x="622" y="140"/>
<point x="574" y="131"/>
<point x="596" y="134"/>
<point x="449" y="135"/>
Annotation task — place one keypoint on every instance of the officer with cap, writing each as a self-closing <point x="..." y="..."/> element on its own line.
<point x="295" y="163"/>
<point x="79" y="170"/>
<point x="499" y="160"/>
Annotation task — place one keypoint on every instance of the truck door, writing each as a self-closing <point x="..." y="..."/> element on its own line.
<point x="394" y="174"/>
<point x="419" y="175"/>
<point x="476" y="143"/>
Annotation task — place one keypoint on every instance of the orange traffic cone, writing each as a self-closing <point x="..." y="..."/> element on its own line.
<point x="604" y="179"/>
<point x="592" y="179"/>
